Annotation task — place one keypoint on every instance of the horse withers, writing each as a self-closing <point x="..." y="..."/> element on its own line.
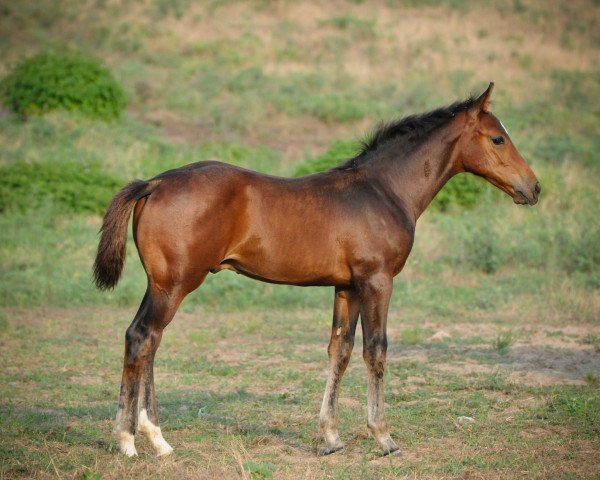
<point x="351" y="228"/>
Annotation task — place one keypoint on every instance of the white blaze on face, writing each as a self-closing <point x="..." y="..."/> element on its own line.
<point x="505" y="130"/>
<point x="161" y="447"/>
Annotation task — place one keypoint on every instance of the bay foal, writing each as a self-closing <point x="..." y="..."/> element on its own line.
<point x="351" y="228"/>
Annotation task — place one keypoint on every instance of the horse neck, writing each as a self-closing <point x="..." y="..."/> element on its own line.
<point x="416" y="179"/>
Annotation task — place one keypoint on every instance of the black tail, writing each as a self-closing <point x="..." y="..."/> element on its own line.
<point x="113" y="240"/>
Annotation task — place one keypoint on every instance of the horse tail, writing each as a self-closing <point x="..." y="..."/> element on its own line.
<point x="113" y="239"/>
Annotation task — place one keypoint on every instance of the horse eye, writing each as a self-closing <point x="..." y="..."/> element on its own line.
<point x="499" y="140"/>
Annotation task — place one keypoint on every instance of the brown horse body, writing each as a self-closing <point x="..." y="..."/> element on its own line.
<point x="351" y="227"/>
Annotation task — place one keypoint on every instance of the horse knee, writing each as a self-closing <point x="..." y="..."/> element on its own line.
<point x="340" y="350"/>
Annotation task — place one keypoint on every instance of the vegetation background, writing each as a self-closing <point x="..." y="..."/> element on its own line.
<point x="496" y="316"/>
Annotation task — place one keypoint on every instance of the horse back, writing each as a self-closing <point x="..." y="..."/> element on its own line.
<point x="308" y="231"/>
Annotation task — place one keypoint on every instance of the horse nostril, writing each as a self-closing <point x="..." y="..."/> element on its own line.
<point x="538" y="187"/>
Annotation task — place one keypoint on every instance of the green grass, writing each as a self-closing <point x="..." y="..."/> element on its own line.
<point x="220" y="410"/>
<point x="413" y="336"/>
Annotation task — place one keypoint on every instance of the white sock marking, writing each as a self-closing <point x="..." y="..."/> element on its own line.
<point x="126" y="443"/>
<point x="161" y="447"/>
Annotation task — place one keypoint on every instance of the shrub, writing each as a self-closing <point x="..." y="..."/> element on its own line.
<point x="51" y="81"/>
<point x="462" y="190"/>
<point x="69" y="186"/>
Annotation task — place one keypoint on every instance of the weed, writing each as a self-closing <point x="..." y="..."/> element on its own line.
<point x="503" y="342"/>
<point x="91" y="475"/>
<point x="259" y="471"/>
<point x="591" y="379"/>
<point x="590" y="339"/>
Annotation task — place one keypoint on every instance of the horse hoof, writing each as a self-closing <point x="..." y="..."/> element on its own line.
<point x="392" y="452"/>
<point x="128" y="450"/>
<point x="126" y="443"/>
<point x="324" y="451"/>
<point x="163" y="452"/>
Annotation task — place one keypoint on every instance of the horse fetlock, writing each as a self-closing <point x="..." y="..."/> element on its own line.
<point x="330" y="435"/>
<point x="126" y="443"/>
<point x="154" y="435"/>
<point x="332" y="442"/>
<point x="380" y="433"/>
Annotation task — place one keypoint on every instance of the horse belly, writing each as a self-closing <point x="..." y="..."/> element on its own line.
<point x="293" y="259"/>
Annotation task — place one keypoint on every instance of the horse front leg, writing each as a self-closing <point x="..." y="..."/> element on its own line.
<point x="345" y="316"/>
<point x="375" y="293"/>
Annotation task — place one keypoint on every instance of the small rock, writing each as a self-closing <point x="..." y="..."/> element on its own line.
<point x="439" y="336"/>
<point x="183" y="408"/>
<point x="465" y="420"/>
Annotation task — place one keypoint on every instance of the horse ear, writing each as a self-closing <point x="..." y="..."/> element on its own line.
<point x="484" y="100"/>
<point x="482" y="104"/>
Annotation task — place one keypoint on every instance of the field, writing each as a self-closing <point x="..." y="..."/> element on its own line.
<point x="495" y="317"/>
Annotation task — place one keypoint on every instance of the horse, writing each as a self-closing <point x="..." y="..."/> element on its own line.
<point x="351" y="228"/>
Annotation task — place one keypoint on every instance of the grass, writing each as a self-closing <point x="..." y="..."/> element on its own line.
<point x="226" y="402"/>
<point x="413" y="336"/>
<point x="289" y="90"/>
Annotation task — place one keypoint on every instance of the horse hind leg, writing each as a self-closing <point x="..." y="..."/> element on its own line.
<point x="137" y="402"/>
<point x="148" y="423"/>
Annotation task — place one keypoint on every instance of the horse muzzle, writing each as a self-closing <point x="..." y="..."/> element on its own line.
<point x="527" y="196"/>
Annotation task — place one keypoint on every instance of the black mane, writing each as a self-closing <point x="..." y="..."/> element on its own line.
<point x="411" y="131"/>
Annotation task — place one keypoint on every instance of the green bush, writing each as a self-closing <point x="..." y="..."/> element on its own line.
<point x="462" y="190"/>
<point x="69" y="186"/>
<point x="51" y="81"/>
